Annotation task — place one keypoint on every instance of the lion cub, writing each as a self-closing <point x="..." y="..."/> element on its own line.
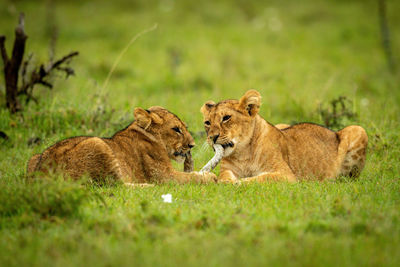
<point x="140" y="153"/>
<point x="255" y="150"/>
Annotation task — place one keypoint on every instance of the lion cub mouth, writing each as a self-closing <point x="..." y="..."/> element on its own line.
<point x="176" y="154"/>
<point x="179" y="156"/>
<point x="228" y="147"/>
<point x="229" y="144"/>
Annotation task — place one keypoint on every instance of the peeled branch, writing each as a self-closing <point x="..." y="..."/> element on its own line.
<point x="219" y="152"/>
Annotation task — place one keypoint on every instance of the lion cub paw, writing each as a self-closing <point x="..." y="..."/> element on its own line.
<point x="229" y="181"/>
<point x="228" y="178"/>
<point x="206" y="177"/>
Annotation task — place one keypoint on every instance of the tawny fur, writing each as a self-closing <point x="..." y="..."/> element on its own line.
<point x="140" y="153"/>
<point x="255" y="150"/>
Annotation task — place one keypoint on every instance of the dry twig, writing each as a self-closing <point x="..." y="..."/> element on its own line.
<point x="39" y="75"/>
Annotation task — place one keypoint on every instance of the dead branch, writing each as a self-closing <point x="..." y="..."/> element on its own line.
<point x="4" y="55"/>
<point x="40" y="74"/>
<point x="24" y="70"/>
<point x="57" y="64"/>
<point x="339" y="110"/>
<point x="11" y="66"/>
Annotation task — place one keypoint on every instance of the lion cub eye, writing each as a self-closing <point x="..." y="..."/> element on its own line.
<point x="176" y="129"/>
<point x="207" y="123"/>
<point x="225" y="118"/>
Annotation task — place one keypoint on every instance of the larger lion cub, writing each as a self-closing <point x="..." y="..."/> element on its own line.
<point x="255" y="150"/>
<point x="140" y="153"/>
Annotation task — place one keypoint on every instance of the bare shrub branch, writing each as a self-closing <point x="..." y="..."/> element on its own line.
<point x="39" y="75"/>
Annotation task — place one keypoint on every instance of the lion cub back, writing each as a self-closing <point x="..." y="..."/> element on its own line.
<point x="77" y="156"/>
<point x="312" y="150"/>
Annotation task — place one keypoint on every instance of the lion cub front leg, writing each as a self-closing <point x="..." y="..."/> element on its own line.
<point x="139" y="185"/>
<point x="203" y="177"/>
<point x="188" y="177"/>
<point x="270" y="176"/>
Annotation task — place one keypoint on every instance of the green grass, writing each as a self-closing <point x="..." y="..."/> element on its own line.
<point x="297" y="54"/>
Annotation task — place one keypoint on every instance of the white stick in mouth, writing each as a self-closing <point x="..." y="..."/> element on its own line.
<point x="219" y="152"/>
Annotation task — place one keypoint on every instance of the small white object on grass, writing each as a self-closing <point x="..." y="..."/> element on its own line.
<point x="167" y="198"/>
<point x="219" y="152"/>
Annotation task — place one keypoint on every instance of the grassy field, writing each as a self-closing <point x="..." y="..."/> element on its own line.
<point x="299" y="54"/>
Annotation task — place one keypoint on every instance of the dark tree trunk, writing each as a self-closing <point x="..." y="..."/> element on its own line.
<point x="12" y="66"/>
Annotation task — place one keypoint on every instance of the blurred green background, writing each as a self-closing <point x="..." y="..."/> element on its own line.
<point x="300" y="55"/>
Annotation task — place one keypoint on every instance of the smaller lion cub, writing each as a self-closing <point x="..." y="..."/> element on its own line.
<point x="140" y="153"/>
<point x="257" y="151"/>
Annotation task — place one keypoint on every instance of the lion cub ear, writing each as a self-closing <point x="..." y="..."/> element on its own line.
<point x="250" y="102"/>
<point x="144" y="118"/>
<point x="207" y="106"/>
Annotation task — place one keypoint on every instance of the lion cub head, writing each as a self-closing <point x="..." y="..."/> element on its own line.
<point x="231" y="122"/>
<point x="168" y="128"/>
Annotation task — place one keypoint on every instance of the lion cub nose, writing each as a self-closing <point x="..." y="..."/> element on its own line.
<point x="191" y="145"/>
<point x="215" y="137"/>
